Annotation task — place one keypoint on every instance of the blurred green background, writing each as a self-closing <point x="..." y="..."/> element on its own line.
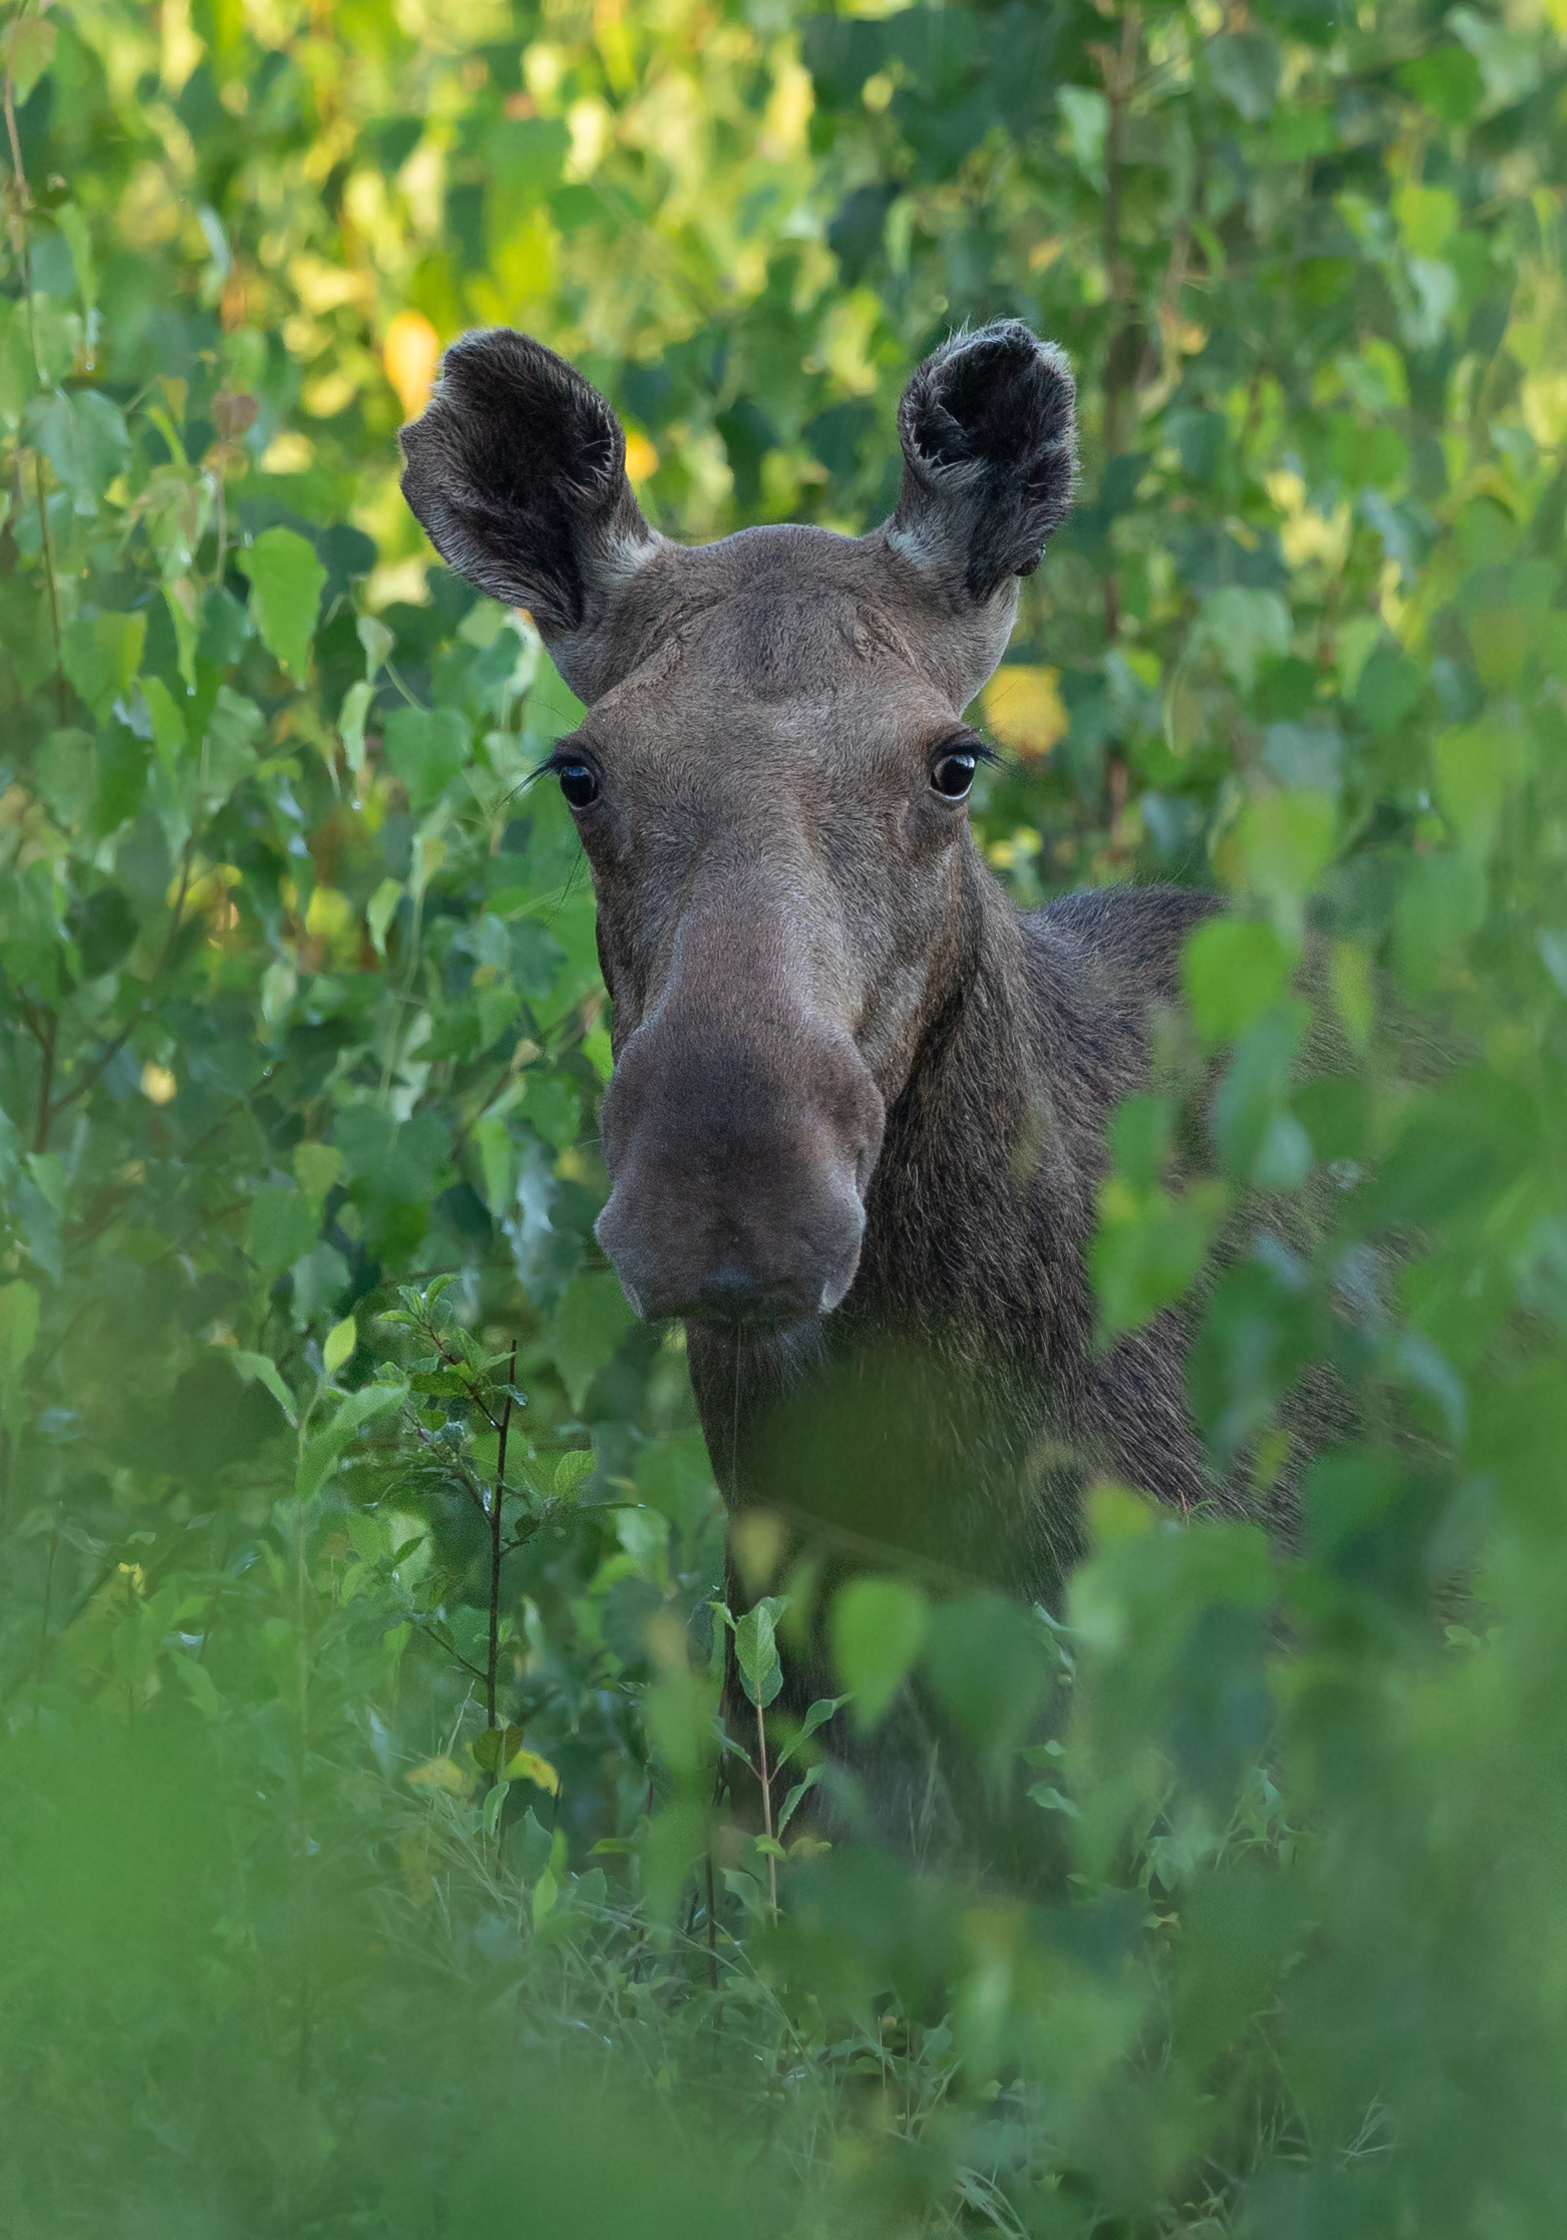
<point x="342" y="1895"/>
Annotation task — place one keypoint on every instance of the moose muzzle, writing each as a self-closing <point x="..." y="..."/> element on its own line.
<point x="740" y="1161"/>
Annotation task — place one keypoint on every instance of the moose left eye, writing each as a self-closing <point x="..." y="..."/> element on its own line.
<point x="953" y="775"/>
<point x="578" y="784"/>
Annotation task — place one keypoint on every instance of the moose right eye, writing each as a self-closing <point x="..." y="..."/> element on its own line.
<point x="578" y="784"/>
<point x="954" y="774"/>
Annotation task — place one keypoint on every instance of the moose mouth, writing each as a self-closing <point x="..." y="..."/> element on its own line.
<point x="753" y="1291"/>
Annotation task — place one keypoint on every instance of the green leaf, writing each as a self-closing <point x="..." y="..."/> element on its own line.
<point x="316" y="1167"/>
<point x="1447" y="80"/>
<point x="377" y="642"/>
<point x="1233" y="972"/>
<point x="1244" y="626"/>
<point x="587" y="1327"/>
<point x="67" y="772"/>
<point x="280" y="1228"/>
<point x="381" y="910"/>
<point x="28" y="48"/>
<point x="817" y="1716"/>
<point x="338" y="1350"/>
<point x="1284" y="840"/>
<point x="756" y="1652"/>
<point x="561" y="1477"/>
<point x="354" y="1411"/>
<point x="18" y="373"/>
<point x="495" y="1746"/>
<point x="1149" y="1247"/>
<point x="83" y="437"/>
<point x="1051" y="1799"/>
<point x="876" y="1628"/>
<point x="1441" y="899"/>
<point x="797" y="1795"/>
<point x="674" y="1476"/>
<point x="72" y="222"/>
<point x="18" y="1327"/>
<point x="428" y="748"/>
<point x="286" y="582"/>
<point x="102" y="655"/>
<point x="229" y="748"/>
<point x="254" y="1366"/>
<point x="1245" y="67"/>
<point x="351" y="723"/>
<point x="990" y="1670"/>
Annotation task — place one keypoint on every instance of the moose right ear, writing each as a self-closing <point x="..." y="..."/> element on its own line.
<point x="989" y="432"/>
<point x="517" y="472"/>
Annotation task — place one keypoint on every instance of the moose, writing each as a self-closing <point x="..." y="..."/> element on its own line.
<point x="858" y="1113"/>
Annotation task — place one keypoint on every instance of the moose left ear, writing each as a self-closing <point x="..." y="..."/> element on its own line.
<point x="518" y="473"/>
<point x="989" y="432"/>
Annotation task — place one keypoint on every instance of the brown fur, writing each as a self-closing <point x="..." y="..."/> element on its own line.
<point x="858" y="1114"/>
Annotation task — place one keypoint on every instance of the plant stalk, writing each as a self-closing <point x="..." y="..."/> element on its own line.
<point x="492" y="1663"/>
<point x="767" y="1813"/>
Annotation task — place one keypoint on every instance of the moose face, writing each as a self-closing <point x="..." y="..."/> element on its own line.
<point x="770" y="783"/>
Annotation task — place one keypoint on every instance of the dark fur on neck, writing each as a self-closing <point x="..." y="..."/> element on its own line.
<point x="959" y="1404"/>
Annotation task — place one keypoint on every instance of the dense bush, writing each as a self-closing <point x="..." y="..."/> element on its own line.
<point x="358" y="1867"/>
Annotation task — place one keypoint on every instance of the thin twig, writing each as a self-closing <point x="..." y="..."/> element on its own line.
<point x="712" y="1935"/>
<point x="767" y="1812"/>
<point x="112" y="1050"/>
<point x="47" y="542"/>
<point x="495" y="1544"/>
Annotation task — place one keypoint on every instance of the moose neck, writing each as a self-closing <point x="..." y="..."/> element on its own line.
<point x="907" y="1422"/>
<point x="966" y="1194"/>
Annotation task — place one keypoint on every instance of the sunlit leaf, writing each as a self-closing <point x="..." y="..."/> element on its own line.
<point x="286" y="582"/>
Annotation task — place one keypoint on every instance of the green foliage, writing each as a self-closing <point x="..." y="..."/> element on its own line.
<point x="360" y="1868"/>
<point x="877" y="1628"/>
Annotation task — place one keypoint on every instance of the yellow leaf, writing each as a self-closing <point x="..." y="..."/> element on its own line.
<point x="410" y="354"/>
<point x="641" y="458"/>
<point x="1023" y="708"/>
<point x="158" y="1084"/>
<point x="288" y="453"/>
<point x="440" y="1773"/>
<point x="527" y="1765"/>
<point x="330" y="914"/>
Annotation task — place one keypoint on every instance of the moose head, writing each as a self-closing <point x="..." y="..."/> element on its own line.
<point x="771" y="784"/>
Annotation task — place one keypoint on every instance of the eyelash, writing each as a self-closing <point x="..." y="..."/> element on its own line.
<point x="553" y="765"/>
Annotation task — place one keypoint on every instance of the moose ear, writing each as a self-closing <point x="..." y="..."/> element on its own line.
<point x="518" y="473"/>
<point x="989" y="432"/>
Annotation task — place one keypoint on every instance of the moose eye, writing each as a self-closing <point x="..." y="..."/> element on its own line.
<point x="578" y="784"/>
<point x="954" y="774"/>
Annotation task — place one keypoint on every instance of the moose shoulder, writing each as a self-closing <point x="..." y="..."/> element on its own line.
<point x="858" y="1112"/>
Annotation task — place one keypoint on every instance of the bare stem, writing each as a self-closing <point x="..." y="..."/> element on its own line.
<point x="302" y="1765"/>
<point x="46" y="1039"/>
<point x="1119" y="66"/>
<point x="46" y="540"/>
<point x="24" y="204"/>
<point x="493" y="1661"/>
<point x="767" y="1812"/>
<point x="712" y="1931"/>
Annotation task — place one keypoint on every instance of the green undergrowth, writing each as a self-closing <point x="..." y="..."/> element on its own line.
<point x="364" y="1864"/>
